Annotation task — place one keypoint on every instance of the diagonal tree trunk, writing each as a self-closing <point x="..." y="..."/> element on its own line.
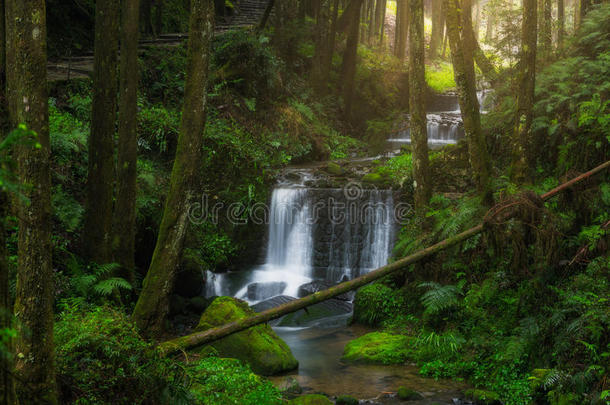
<point x="417" y="109"/>
<point x="28" y="104"/>
<point x="127" y="150"/>
<point x="153" y="304"/>
<point x="100" y="178"/>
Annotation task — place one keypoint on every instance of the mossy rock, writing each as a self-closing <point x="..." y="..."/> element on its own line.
<point x="346" y="400"/>
<point x="378" y="348"/>
<point x="483" y="397"/>
<point x="407" y="394"/>
<point x="259" y="346"/>
<point x="373" y="178"/>
<point x="311" y="399"/>
<point x="334" y="169"/>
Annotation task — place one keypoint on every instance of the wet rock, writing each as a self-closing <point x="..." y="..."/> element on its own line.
<point x="311" y="399"/>
<point x="258" y="346"/>
<point x="334" y="169"/>
<point x="483" y="397"/>
<point x="317" y="285"/>
<point x="346" y="400"/>
<point x="316" y="313"/>
<point x="290" y="385"/>
<point x="407" y="394"/>
<point x="258" y="291"/>
<point x="272" y="303"/>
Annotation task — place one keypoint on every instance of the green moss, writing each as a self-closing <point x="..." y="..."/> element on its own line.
<point x="407" y="394"/>
<point x="258" y="346"/>
<point x="483" y="397"/>
<point x="334" y="169"/>
<point x="346" y="400"/>
<point x="374" y="178"/>
<point x="378" y="347"/>
<point x="312" y="399"/>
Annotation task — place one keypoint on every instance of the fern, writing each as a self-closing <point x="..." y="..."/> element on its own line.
<point x="439" y="297"/>
<point x="106" y="287"/>
<point x="96" y="280"/>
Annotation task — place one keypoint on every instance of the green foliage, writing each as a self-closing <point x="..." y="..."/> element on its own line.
<point x="227" y="381"/>
<point x="20" y="136"/>
<point x="380" y="348"/>
<point x="102" y="359"/>
<point x="439" y="297"/>
<point x="96" y="281"/>
<point x="440" y="79"/>
<point x="158" y="129"/>
<point x="376" y="303"/>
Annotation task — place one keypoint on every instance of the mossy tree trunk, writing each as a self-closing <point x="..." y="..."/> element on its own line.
<point x="153" y="304"/>
<point x="461" y="38"/>
<point x="123" y="245"/>
<point x="561" y="23"/>
<point x="377" y="29"/>
<point x="28" y="104"/>
<point x="437" y="28"/>
<point x="350" y="56"/>
<point x="417" y="108"/>
<point x="546" y="33"/>
<point x="7" y="386"/>
<point x="521" y="153"/>
<point x="100" y="179"/>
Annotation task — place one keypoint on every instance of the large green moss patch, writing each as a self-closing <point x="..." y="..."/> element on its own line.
<point x="378" y="347"/>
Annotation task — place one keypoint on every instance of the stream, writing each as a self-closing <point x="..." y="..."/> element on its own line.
<point x="321" y="233"/>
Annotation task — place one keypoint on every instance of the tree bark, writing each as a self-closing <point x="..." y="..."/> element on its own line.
<point x="100" y="179"/>
<point x="461" y="45"/>
<point x="332" y="38"/>
<point x="350" y="57"/>
<point x="417" y="109"/>
<point x="265" y="18"/>
<point x="489" y="28"/>
<point x="153" y="304"/>
<point x="378" y="23"/>
<point x="127" y="150"/>
<point x="437" y="28"/>
<point x="561" y="22"/>
<point x="521" y="153"/>
<point x="28" y="104"/>
<point x="404" y="30"/>
<point x="382" y="23"/>
<point x="546" y="35"/>
<point x="201" y="338"/>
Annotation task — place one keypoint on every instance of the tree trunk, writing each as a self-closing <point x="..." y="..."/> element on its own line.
<point x="561" y="22"/>
<point x="585" y="5"/>
<point x="377" y="32"/>
<point x="158" y="18"/>
<point x="417" y="108"/>
<point x="489" y="28"/>
<point x="127" y="150"/>
<point x="320" y="44"/>
<point x="153" y="304"/>
<point x="332" y="38"/>
<point x="461" y="44"/>
<point x="546" y="35"/>
<point x="28" y="104"/>
<point x="350" y="57"/>
<point x="98" y="214"/>
<point x="265" y="18"/>
<point x="521" y="153"/>
<point x="404" y="30"/>
<point x="382" y="23"/>
<point x="7" y="386"/>
<point x="437" y="29"/>
<point x="397" y="26"/>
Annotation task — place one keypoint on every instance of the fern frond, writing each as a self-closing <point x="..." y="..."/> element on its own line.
<point x="106" y="287"/>
<point x="439" y="297"/>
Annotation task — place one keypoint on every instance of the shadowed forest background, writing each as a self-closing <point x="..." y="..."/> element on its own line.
<point x="122" y="120"/>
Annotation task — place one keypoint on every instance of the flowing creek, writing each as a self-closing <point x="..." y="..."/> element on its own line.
<point x="320" y="234"/>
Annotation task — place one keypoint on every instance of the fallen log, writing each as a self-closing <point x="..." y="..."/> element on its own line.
<point x="210" y="335"/>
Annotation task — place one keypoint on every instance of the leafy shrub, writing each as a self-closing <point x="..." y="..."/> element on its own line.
<point x="376" y="303"/>
<point x="102" y="359"/>
<point x="227" y="381"/>
<point x="441" y="79"/>
<point x="158" y="129"/>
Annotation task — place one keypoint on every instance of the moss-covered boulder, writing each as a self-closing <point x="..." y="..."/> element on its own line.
<point x="311" y="399"/>
<point x="258" y="346"/>
<point x="378" y="347"/>
<point x="483" y="397"/>
<point x="334" y="169"/>
<point x="407" y="394"/>
<point x="346" y="400"/>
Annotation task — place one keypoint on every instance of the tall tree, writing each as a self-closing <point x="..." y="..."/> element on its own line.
<point x="377" y="30"/>
<point x="403" y="30"/>
<point x="330" y="46"/>
<point x="521" y="154"/>
<point x="123" y="246"/>
<point x="417" y="109"/>
<point x="546" y="35"/>
<point x="561" y="24"/>
<point x="7" y="386"/>
<point x="461" y="37"/>
<point x="437" y="28"/>
<point x="100" y="178"/>
<point x="153" y="304"/>
<point x="382" y="22"/>
<point x="26" y="58"/>
<point x="350" y="56"/>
